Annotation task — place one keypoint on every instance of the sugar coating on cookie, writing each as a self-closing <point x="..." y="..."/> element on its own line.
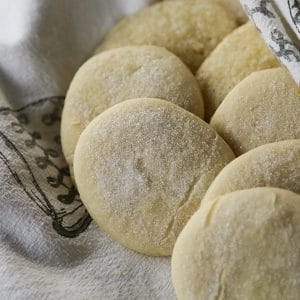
<point x="191" y="30"/>
<point x="274" y="165"/>
<point x="237" y="56"/>
<point x="243" y="245"/>
<point x="235" y="7"/>
<point x="261" y="109"/>
<point x="121" y="74"/>
<point x="232" y="6"/>
<point x="141" y="168"/>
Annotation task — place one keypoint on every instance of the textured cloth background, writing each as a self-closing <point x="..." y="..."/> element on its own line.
<point x="49" y="248"/>
<point x="279" y="23"/>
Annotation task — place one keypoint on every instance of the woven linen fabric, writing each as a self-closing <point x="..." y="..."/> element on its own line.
<point x="49" y="247"/>
<point x="278" y="21"/>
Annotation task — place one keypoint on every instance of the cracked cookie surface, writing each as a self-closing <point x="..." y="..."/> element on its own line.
<point x="142" y="168"/>
<point x="242" y="245"/>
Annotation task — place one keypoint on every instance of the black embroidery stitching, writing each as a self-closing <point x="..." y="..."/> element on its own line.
<point x="296" y="17"/>
<point x="36" y="194"/>
<point x="278" y="37"/>
<point x="261" y="9"/>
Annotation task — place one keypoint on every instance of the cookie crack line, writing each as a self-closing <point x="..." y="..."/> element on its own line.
<point x="221" y="285"/>
<point x="184" y="201"/>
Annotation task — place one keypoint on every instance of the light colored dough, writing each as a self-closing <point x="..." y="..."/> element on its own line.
<point x="243" y="245"/>
<point x="122" y="74"/>
<point x="274" y="165"/>
<point x="191" y="30"/>
<point x="235" y="7"/>
<point x="237" y="56"/>
<point x="261" y="109"/>
<point x="141" y="168"/>
<point x="232" y="6"/>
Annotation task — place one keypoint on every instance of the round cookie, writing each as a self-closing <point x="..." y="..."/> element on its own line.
<point x="141" y="168"/>
<point x="243" y="245"/>
<point x="122" y="74"/>
<point x="237" y="56"/>
<point x="274" y="165"/>
<point x="191" y="30"/>
<point x="261" y="109"/>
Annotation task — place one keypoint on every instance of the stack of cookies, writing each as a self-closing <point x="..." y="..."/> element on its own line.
<point x="182" y="134"/>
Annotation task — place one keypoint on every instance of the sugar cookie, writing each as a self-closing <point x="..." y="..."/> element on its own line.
<point x="235" y="7"/>
<point x="191" y="30"/>
<point x="232" y="6"/>
<point x="141" y="168"/>
<point x="243" y="245"/>
<point x="237" y="56"/>
<point x="274" y="165"/>
<point x="122" y="74"/>
<point x="261" y="109"/>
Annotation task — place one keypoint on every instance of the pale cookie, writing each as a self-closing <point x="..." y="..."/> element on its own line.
<point x="232" y="6"/>
<point x="243" y="245"/>
<point x="235" y="7"/>
<point x="122" y="74"/>
<point x="261" y="109"/>
<point x="141" y="168"/>
<point x="274" y="165"/>
<point x="237" y="56"/>
<point x="189" y="30"/>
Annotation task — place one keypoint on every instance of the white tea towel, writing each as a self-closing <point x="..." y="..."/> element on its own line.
<point x="279" y="23"/>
